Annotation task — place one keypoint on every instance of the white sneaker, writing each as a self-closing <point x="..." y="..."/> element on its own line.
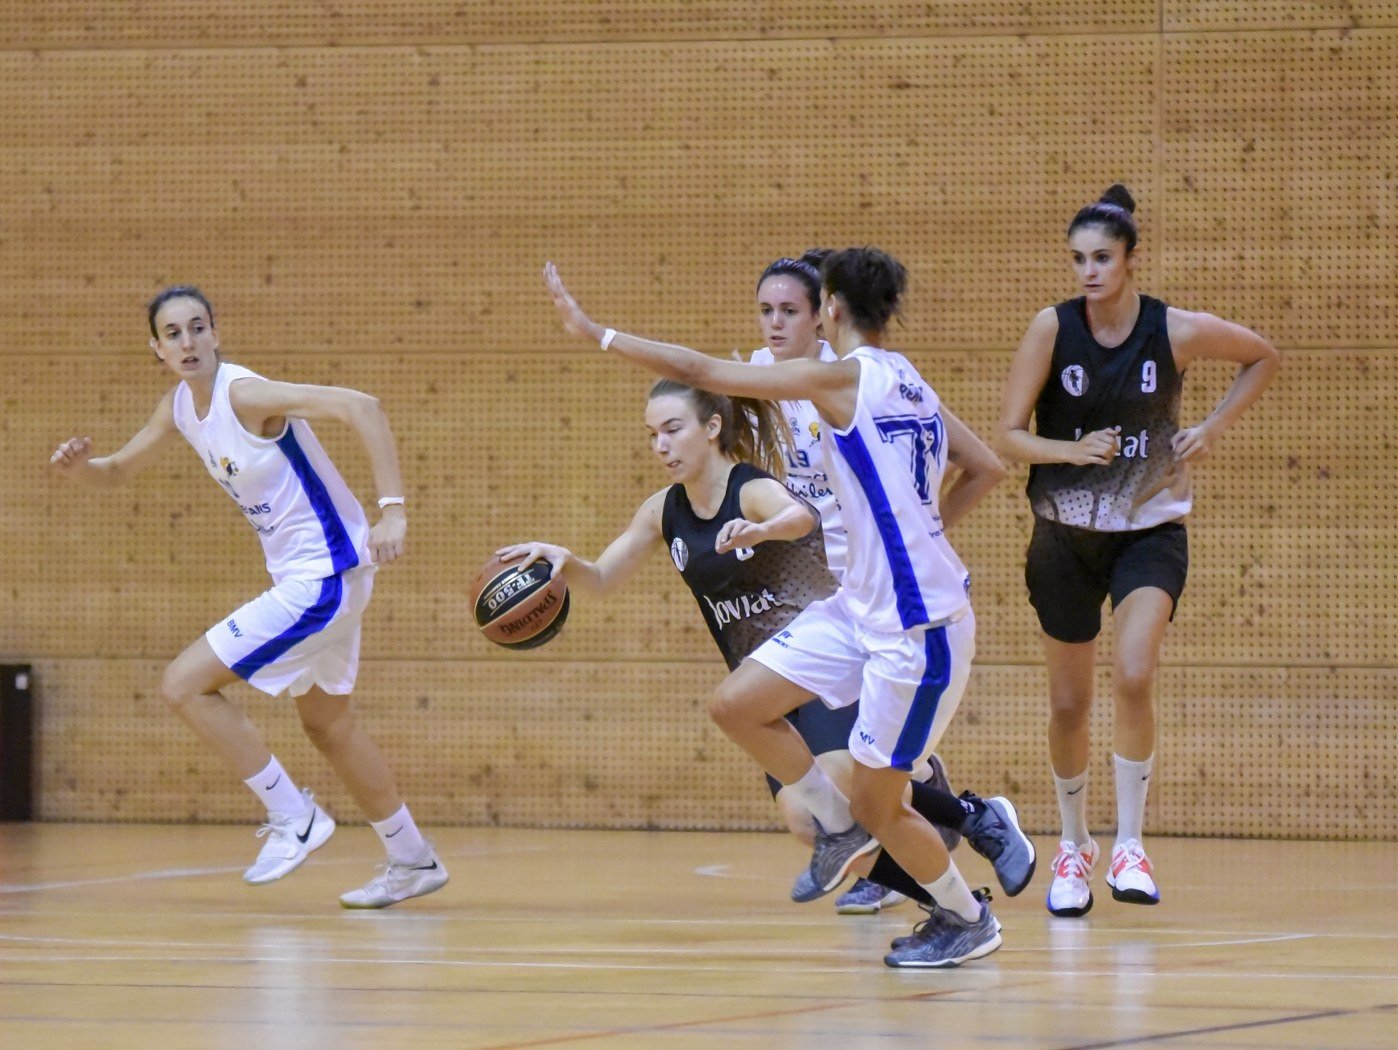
<point x="1131" y="878"/>
<point x="398" y="882"/>
<point x="290" y="841"/>
<point x="1070" y="893"/>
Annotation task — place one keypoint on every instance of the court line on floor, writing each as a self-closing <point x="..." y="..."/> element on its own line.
<point x="1184" y="1033"/>
<point x="157" y="874"/>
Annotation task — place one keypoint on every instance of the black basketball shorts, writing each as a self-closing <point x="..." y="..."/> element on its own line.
<point x="1070" y="571"/>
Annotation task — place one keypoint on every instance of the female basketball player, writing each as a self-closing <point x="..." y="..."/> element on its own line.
<point x="749" y="591"/>
<point x="898" y="635"/>
<point x="302" y="636"/>
<point x="788" y="310"/>
<point x="1109" y="487"/>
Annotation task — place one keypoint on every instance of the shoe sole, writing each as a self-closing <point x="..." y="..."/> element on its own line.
<point x="858" y="909"/>
<point x="1072" y="913"/>
<point x="317" y="840"/>
<point x="1033" y="853"/>
<point x="978" y="952"/>
<point x="1133" y="896"/>
<point x="377" y="906"/>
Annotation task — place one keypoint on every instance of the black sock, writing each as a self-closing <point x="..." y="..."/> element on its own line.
<point x="887" y="873"/>
<point x="941" y="808"/>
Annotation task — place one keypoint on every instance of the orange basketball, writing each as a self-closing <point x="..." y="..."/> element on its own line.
<point x="519" y="609"/>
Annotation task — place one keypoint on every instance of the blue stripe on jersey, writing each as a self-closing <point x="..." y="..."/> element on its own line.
<point x="310" y="622"/>
<point x="907" y="593"/>
<point x="342" y="553"/>
<point x="936" y="676"/>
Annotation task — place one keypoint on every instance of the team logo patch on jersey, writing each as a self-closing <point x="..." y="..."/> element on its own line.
<point x="229" y="467"/>
<point x="679" y="554"/>
<point x="815" y="429"/>
<point x="1075" y="380"/>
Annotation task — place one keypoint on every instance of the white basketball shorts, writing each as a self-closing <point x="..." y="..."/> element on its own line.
<point x="908" y="683"/>
<point x="299" y="634"/>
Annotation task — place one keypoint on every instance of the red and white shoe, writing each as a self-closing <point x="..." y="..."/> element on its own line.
<point x="1070" y="892"/>
<point x="1131" y="878"/>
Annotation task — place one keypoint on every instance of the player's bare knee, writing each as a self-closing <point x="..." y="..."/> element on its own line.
<point x="1069" y="713"/>
<point x="173" y="691"/>
<point x="727" y="708"/>
<point x="1135" y="683"/>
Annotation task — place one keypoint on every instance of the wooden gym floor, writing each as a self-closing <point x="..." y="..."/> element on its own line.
<point x="145" y="936"/>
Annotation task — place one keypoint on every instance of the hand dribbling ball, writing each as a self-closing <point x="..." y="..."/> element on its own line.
<point x="519" y="609"/>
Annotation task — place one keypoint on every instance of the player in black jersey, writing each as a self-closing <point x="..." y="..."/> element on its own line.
<point x="720" y="520"/>
<point x="1109" y="487"/>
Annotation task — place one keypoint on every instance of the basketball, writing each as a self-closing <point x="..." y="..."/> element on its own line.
<point x="519" y="609"/>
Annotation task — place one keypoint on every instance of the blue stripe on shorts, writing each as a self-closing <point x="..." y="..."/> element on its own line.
<point x="312" y="621"/>
<point x="936" y="676"/>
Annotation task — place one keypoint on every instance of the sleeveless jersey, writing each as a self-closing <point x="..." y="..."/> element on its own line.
<point x="805" y="464"/>
<point x="886" y="468"/>
<point x="1135" y="386"/>
<point x="747" y="595"/>
<point x="309" y="522"/>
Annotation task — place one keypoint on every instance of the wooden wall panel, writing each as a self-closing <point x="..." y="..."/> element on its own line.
<point x="1236" y="15"/>
<point x="45" y="24"/>
<point x="543" y="744"/>
<point x="350" y="201"/>
<point x="368" y="192"/>
<point x="1278" y="752"/>
<point x="1281" y="165"/>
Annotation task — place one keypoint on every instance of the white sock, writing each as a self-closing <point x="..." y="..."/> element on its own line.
<point x="400" y="837"/>
<point x="952" y="893"/>
<point x="1072" y="804"/>
<point x="820" y="795"/>
<point x="1132" y="782"/>
<point x="278" y="791"/>
<point x="923" y="773"/>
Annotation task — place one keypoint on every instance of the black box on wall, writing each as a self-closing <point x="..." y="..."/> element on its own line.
<point x="16" y="742"/>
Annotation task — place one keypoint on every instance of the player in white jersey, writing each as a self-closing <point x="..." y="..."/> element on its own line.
<point x="302" y="636"/>
<point x="898" y="635"/>
<point x="788" y="312"/>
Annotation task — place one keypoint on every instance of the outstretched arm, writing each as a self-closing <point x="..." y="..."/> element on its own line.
<point x="255" y="401"/>
<point x="613" y="567"/>
<point x="830" y="386"/>
<point x="1199" y="335"/>
<point x="74" y="458"/>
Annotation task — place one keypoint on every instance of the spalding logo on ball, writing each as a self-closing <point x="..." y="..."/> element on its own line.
<point x="519" y="609"/>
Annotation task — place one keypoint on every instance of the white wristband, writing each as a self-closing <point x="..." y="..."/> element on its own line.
<point x="607" y="338"/>
<point x="390" y="501"/>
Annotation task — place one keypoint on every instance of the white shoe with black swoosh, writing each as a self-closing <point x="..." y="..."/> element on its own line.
<point x="290" y="840"/>
<point x="398" y="882"/>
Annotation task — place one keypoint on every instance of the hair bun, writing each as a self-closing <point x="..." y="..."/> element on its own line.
<point x="1119" y="195"/>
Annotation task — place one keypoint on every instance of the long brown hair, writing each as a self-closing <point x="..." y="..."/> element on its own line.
<point x="750" y="430"/>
